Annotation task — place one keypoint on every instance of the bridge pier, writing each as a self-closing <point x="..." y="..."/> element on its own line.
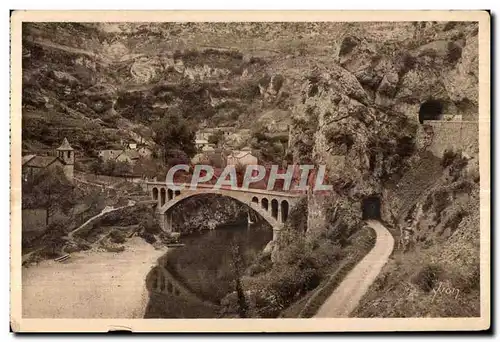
<point x="166" y="222"/>
<point x="276" y="233"/>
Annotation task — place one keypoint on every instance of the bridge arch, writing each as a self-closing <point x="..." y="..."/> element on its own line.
<point x="265" y="204"/>
<point x="165" y="209"/>
<point x="275" y="213"/>
<point x="284" y="210"/>
<point x="155" y="193"/>
<point x="163" y="196"/>
<point x="274" y="208"/>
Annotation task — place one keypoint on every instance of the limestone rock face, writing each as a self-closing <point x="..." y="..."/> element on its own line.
<point x="365" y="136"/>
<point x="435" y="63"/>
<point x="360" y="117"/>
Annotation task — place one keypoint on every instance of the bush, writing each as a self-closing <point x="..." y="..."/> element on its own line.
<point x="455" y="161"/>
<point x="117" y="236"/>
<point x="148" y="237"/>
<point x="454" y="53"/>
<point x="427" y="277"/>
<point x="261" y="264"/>
<point x="449" y="157"/>
<point x="454" y="220"/>
<point x="348" y="44"/>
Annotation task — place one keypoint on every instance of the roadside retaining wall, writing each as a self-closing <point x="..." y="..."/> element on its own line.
<point x="438" y="136"/>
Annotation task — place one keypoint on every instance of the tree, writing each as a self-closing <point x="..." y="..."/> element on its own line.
<point x="173" y="132"/>
<point x="96" y="166"/>
<point x="51" y="190"/>
<point x="216" y="138"/>
<point x="122" y="168"/>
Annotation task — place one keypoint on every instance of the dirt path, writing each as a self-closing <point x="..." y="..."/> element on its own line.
<point x="347" y="295"/>
<point x="91" y="284"/>
<point x="93" y="218"/>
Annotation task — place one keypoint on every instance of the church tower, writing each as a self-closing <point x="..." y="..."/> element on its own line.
<point x="67" y="155"/>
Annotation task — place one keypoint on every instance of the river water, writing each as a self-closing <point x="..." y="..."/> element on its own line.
<point x="200" y="274"/>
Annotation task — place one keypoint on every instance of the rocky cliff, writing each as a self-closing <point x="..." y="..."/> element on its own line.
<point x="361" y="115"/>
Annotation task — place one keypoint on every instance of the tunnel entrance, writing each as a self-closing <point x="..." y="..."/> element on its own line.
<point x="371" y="208"/>
<point x="430" y="110"/>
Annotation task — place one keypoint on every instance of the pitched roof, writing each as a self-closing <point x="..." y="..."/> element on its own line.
<point x="109" y="154"/>
<point x="65" y="146"/>
<point x="41" y="161"/>
<point x="27" y="158"/>
<point x="132" y="154"/>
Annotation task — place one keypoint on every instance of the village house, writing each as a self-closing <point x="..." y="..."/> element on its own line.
<point x="201" y="143"/>
<point x="205" y="133"/>
<point x="129" y="156"/>
<point x="215" y="157"/>
<point x="145" y="152"/>
<point x="238" y="137"/>
<point x="106" y="155"/>
<point x="242" y="157"/>
<point x="208" y="148"/>
<point x="64" y="158"/>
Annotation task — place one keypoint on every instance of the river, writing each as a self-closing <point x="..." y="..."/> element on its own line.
<point x="203" y="272"/>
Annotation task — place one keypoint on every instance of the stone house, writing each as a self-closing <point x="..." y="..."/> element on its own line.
<point x="201" y="143"/>
<point x="242" y="157"/>
<point x="64" y="158"/>
<point x="129" y="156"/>
<point x="145" y="152"/>
<point x="106" y="155"/>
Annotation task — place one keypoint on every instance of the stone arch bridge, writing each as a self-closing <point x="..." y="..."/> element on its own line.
<point x="272" y="206"/>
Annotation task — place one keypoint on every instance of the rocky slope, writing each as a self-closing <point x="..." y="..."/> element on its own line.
<point x="100" y="83"/>
<point x="444" y="253"/>
<point x="99" y="87"/>
<point x="360" y="117"/>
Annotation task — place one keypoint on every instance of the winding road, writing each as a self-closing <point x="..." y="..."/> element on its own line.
<point x="347" y="295"/>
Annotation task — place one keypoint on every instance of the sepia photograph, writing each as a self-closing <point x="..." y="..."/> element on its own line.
<point x="250" y="171"/>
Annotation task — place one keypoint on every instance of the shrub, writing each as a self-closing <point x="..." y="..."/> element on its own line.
<point x="449" y="25"/>
<point x="449" y="156"/>
<point x="427" y="277"/>
<point x="261" y="264"/>
<point x="454" y="53"/>
<point x="148" y="237"/>
<point x="454" y="220"/>
<point x="469" y="282"/>
<point x="348" y="44"/>
<point x="440" y="200"/>
<point x="117" y="236"/>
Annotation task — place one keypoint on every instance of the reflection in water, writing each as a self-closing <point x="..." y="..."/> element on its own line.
<point x="191" y="281"/>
